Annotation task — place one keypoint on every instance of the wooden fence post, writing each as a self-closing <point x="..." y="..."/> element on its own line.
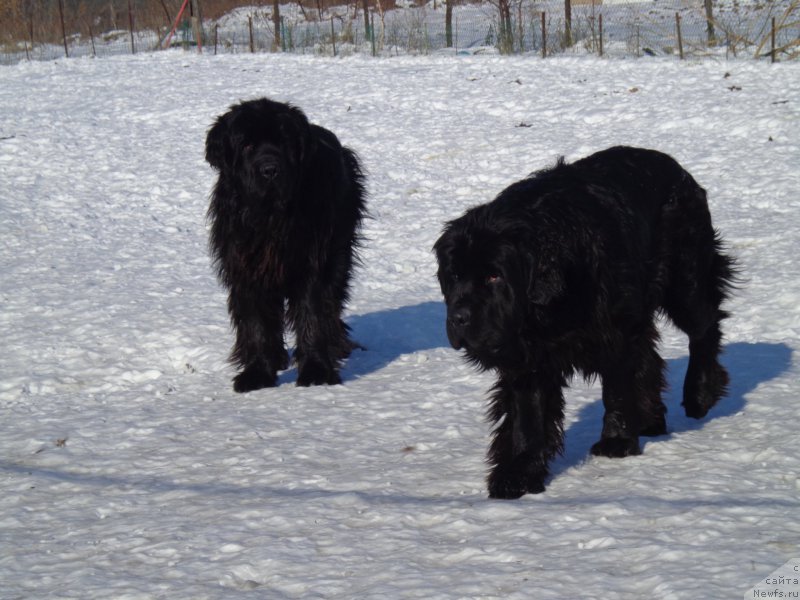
<point x="250" y="27"/>
<point x="63" y="26"/>
<point x="91" y="37"/>
<point x="544" y="37"/>
<point x="333" y="36"/>
<point x="772" y="35"/>
<point x="365" y="8"/>
<point x="638" y="42"/>
<point x="197" y="24"/>
<point x="710" y="23"/>
<point x="130" y="23"/>
<point x="680" y="36"/>
<point x="372" y="33"/>
<point x="216" y="38"/>
<point x="198" y="35"/>
<point x="601" y="34"/>
<point x="448" y="23"/>
<point x="276" y="25"/>
<point x="567" y="23"/>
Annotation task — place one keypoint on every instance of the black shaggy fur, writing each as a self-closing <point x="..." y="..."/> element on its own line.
<point x="565" y="272"/>
<point x="285" y="219"/>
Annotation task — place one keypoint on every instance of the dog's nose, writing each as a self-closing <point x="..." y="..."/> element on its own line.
<point x="269" y="172"/>
<point x="460" y="317"/>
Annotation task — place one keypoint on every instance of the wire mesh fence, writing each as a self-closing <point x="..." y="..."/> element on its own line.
<point x="681" y="28"/>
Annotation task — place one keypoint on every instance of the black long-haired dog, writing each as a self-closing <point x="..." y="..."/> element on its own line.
<point x="565" y="272"/>
<point x="285" y="218"/>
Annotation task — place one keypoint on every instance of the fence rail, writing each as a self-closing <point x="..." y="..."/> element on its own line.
<point x="680" y="28"/>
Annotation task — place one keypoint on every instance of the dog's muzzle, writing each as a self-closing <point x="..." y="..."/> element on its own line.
<point x="458" y="320"/>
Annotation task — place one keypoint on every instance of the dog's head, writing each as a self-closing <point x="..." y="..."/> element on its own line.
<point x="496" y="286"/>
<point x="261" y="146"/>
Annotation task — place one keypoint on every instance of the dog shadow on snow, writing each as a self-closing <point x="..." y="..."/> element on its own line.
<point x="386" y="335"/>
<point x="389" y="334"/>
<point x="749" y="365"/>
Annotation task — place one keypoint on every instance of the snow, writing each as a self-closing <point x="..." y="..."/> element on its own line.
<point x="630" y="28"/>
<point x="128" y="467"/>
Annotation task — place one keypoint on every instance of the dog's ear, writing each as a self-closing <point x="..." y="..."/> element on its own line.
<point x="295" y="131"/>
<point x="225" y="139"/>
<point x="217" y="144"/>
<point x="545" y="281"/>
<point x="443" y="250"/>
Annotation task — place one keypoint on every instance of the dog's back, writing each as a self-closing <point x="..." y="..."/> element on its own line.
<point x="638" y="181"/>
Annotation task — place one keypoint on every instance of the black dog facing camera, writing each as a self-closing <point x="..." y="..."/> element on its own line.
<point x="285" y="219"/>
<point x="565" y="272"/>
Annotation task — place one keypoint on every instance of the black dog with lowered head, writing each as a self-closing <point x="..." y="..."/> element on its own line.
<point x="565" y="272"/>
<point x="285" y="219"/>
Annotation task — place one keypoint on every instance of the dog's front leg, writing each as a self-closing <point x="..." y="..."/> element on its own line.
<point x="530" y="434"/>
<point x="257" y="317"/>
<point x="320" y="334"/>
<point x="621" y="421"/>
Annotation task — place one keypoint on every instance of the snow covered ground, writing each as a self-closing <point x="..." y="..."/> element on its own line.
<point x="130" y="469"/>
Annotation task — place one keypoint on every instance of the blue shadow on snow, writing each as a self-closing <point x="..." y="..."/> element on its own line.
<point x="388" y="334"/>
<point x="749" y="365"/>
<point x="391" y="333"/>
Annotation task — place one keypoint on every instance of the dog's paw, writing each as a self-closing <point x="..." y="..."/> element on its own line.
<point x="253" y="379"/>
<point x="702" y="391"/>
<point x="655" y="428"/>
<point x="510" y="484"/>
<point x="315" y="373"/>
<point x="617" y="447"/>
